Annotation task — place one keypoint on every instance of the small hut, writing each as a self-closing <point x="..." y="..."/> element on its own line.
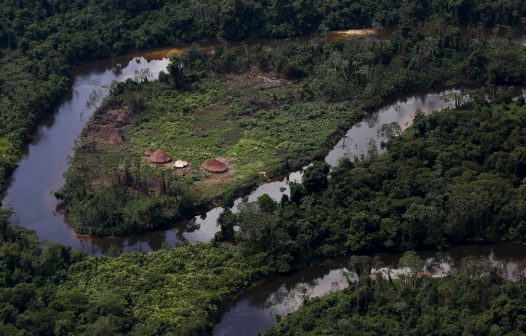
<point x="215" y="166"/>
<point x="179" y="164"/>
<point x="159" y="157"/>
<point x="149" y="152"/>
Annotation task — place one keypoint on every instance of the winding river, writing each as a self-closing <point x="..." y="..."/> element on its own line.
<point x="40" y="174"/>
<point x="255" y="310"/>
<point x="40" y="171"/>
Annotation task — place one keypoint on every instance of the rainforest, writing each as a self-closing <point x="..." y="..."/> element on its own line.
<point x="242" y="167"/>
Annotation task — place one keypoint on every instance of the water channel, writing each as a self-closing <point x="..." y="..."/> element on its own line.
<point x="255" y="310"/>
<point x="40" y="174"/>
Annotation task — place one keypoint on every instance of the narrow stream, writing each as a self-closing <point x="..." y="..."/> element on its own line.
<point x="255" y="310"/>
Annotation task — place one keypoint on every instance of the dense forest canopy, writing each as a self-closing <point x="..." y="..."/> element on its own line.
<point x="455" y="176"/>
<point x="147" y="23"/>
<point x="40" y="41"/>
<point x="53" y="291"/>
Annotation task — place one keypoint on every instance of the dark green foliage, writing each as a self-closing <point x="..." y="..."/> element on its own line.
<point x="467" y="303"/>
<point x="49" y="290"/>
<point x="315" y="177"/>
<point x="114" y="211"/>
<point x="226" y="221"/>
<point x="454" y="176"/>
<point x="267" y="204"/>
<point x="28" y="276"/>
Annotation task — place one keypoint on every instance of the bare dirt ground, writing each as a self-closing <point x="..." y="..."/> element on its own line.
<point x="254" y="78"/>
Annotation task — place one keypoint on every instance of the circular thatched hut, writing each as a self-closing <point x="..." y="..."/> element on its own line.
<point x="149" y="152"/>
<point x="160" y="157"/>
<point x="215" y="166"/>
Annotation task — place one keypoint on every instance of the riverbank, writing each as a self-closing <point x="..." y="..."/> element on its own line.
<point x="48" y="288"/>
<point x="268" y="304"/>
<point x="37" y="66"/>
<point x="267" y="261"/>
<point x="414" y="304"/>
<point x="40" y="171"/>
<point x="186" y="288"/>
<point x="41" y="66"/>
<point x="259" y="113"/>
<point x="259" y="134"/>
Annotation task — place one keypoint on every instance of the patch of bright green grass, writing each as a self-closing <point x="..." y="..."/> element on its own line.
<point x="218" y="122"/>
<point x="254" y="130"/>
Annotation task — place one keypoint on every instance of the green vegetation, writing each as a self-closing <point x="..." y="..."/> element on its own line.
<point x="53" y="291"/>
<point x="454" y="176"/>
<point x="210" y="106"/>
<point x="477" y="300"/>
<point x="50" y="290"/>
<point x="261" y="133"/>
<point x="41" y="41"/>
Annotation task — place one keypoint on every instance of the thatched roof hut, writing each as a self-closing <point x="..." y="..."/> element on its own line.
<point x="215" y="166"/>
<point x="160" y="157"/>
<point x="149" y="152"/>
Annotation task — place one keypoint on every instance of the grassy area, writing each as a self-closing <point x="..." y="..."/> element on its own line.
<point x="254" y="130"/>
<point x="261" y="132"/>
